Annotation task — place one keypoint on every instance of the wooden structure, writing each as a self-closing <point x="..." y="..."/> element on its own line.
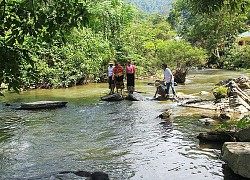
<point x="243" y="38"/>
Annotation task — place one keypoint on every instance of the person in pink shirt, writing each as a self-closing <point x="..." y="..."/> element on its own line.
<point x="130" y="75"/>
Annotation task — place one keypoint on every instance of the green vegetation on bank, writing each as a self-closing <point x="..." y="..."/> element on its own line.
<point x="236" y="125"/>
<point x="62" y="43"/>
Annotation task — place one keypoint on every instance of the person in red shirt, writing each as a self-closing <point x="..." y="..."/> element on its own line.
<point x="130" y="75"/>
<point x="118" y="77"/>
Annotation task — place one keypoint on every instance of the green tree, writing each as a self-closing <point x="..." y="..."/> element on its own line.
<point x="28" y="24"/>
<point x="214" y="30"/>
<point x="181" y="56"/>
<point x="29" y="18"/>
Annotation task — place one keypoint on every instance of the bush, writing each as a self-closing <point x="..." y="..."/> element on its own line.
<point x="220" y="92"/>
<point x="237" y="57"/>
<point x="237" y="125"/>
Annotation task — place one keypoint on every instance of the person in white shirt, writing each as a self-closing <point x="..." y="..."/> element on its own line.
<point x="110" y="80"/>
<point x="169" y="79"/>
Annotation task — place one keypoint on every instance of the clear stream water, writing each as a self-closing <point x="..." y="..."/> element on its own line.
<point x="124" y="139"/>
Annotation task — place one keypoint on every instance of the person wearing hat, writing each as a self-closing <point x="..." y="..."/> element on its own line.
<point x="160" y="89"/>
<point x="110" y="80"/>
<point x="130" y="75"/>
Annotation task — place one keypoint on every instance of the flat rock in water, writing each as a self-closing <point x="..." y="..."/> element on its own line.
<point x="112" y="97"/>
<point x="203" y="104"/>
<point x="134" y="97"/>
<point x="42" y="105"/>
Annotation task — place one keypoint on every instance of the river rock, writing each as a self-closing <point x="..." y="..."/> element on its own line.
<point x="166" y="114"/>
<point x="237" y="156"/>
<point x="244" y="134"/>
<point x="42" y="105"/>
<point x="224" y="116"/>
<point x="134" y="97"/>
<point x="217" y="136"/>
<point x="112" y="97"/>
<point x="207" y="121"/>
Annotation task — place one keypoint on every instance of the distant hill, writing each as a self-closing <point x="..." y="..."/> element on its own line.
<point x="153" y="6"/>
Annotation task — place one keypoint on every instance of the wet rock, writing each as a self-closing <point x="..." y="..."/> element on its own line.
<point x="134" y="97"/>
<point x="224" y="116"/>
<point x="166" y="114"/>
<point x="207" y="121"/>
<point x="42" y="105"/>
<point x="66" y="175"/>
<point x="244" y="134"/>
<point x="200" y="103"/>
<point x="91" y="176"/>
<point x="217" y="136"/>
<point x="112" y="97"/>
<point x="237" y="156"/>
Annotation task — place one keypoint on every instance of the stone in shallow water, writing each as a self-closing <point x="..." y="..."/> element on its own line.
<point x="112" y="97"/>
<point x="237" y="156"/>
<point x="42" y="105"/>
<point x="134" y="97"/>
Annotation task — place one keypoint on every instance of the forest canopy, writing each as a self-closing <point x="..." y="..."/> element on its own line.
<point x="62" y="43"/>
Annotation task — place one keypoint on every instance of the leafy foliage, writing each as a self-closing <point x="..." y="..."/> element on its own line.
<point x="211" y="25"/>
<point x="51" y="44"/>
<point x="237" y="57"/>
<point x="236" y="125"/>
<point x="181" y="54"/>
<point x="73" y="63"/>
<point x="220" y="92"/>
<point x="32" y="30"/>
<point x="210" y="6"/>
<point x="43" y="20"/>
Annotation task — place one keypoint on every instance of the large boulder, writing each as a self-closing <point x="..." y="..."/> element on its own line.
<point x="237" y="156"/>
<point x="244" y="134"/>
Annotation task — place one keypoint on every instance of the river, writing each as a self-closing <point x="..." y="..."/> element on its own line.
<point x="124" y="139"/>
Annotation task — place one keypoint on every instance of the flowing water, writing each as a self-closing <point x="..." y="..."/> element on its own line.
<point x="124" y="139"/>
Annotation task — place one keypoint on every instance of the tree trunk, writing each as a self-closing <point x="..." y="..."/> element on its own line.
<point x="180" y="75"/>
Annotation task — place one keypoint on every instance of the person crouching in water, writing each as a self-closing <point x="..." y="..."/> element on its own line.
<point x="130" y="74"/>
<point x="118" y="76"/>
<point x="110" y="75"/>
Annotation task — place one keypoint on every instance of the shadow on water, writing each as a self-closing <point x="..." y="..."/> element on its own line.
<point x="124" y="139"/>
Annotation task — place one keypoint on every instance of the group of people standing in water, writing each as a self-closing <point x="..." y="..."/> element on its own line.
<point x="116" y="77"/>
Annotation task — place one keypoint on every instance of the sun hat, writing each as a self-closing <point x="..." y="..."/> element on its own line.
<point x="111" y="62"/>
<point x="157" y="84"/>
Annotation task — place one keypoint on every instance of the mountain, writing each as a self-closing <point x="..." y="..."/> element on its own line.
<point x="153" y="6"/>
